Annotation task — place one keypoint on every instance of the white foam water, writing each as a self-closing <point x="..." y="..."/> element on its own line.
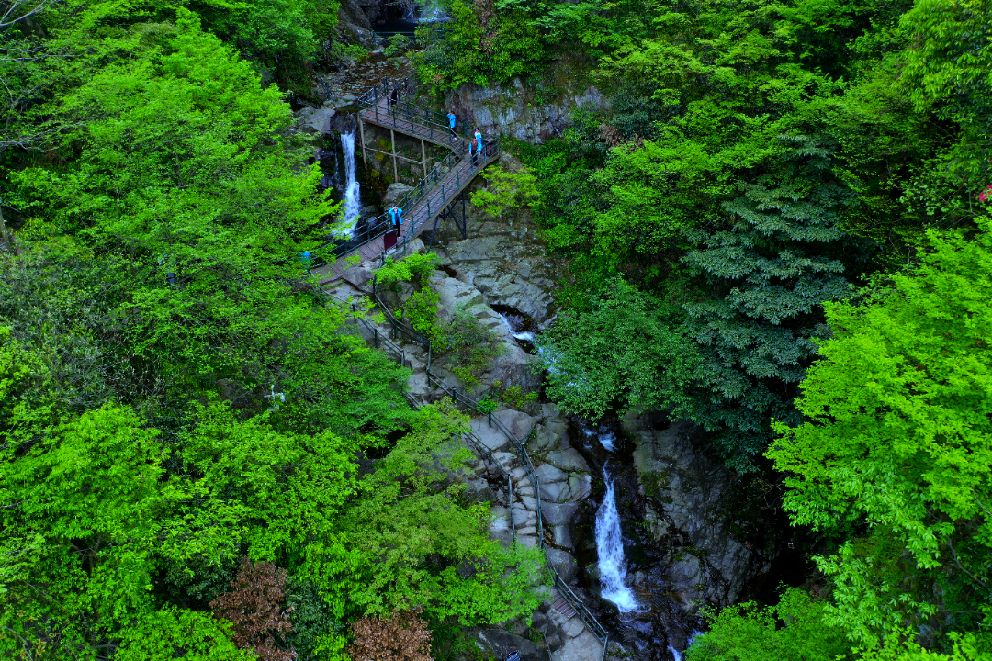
<point x="352" y="202"/>
<point x="609" y="547"/>
<point x="524" y="336"/>
<point x="608" y="439"/>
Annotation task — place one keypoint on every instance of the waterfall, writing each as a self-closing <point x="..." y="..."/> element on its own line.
<point x="609" y="547"/>
<point x="677" y="655"/>
<point x="432" y="12"/>
<point x="352" y="204"/>
<point x="524" y="336"/>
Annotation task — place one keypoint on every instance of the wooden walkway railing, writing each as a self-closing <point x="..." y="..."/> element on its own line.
<point x="435" y="192"/>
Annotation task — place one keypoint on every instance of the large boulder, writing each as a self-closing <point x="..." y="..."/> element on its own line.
<point x="315" y="119"/>
<point x="568" y="460"/>
<point x="516" y="422"/>
<point x="394" y="193"/>
<point x="490" y="436"/>
<point x="556" y="514"/>
<point x="564" y="564"/>
<point x="546" y="473"/>
<point x="501" y="644"/>
<point x="582" y="646"/>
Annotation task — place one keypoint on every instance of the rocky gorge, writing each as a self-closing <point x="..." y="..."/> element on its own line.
<point x="692" y="531"/>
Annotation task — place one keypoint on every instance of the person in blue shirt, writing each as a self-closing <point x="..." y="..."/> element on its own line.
<point x="482" y="144"/>
<point x="451" y="124"/>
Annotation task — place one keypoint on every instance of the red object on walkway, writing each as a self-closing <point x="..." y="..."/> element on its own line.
<point x="389" y="240"/>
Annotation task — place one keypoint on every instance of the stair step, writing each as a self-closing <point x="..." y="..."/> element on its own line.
<point x="564" y="607"/>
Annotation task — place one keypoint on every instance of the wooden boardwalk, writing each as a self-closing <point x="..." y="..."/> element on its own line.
<point x="423" y="213"/>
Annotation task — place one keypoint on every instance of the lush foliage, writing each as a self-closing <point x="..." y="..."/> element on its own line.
<point x="791" y="630"/>
<point x="468" y="345"/>
<point x="757" y="164"/>
<point x="898" y="437"/>
<point x="506" y="190"/>
<point x="176" y="393"/>
<point x="746" y="174"/>
<point x="416" y="268"/>
<point x="624" y="352"/>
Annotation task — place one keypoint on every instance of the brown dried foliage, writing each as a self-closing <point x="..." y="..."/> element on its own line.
<point x="254" y="608"/>
<point x="401" y="637"/>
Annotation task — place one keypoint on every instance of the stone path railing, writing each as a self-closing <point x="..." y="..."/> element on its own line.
<point x="398" y="328"/>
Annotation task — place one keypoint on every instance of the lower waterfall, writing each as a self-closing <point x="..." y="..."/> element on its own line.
<point x="609" y="546"/>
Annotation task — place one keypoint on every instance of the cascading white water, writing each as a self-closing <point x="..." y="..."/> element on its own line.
<point x="352" y="204"/>
<point x="608" y="440"/>
<point x="524" y="336"/>
<point x="432" y="12"/>
<point x="677" y="655"/>
<point x="609" y="546"/>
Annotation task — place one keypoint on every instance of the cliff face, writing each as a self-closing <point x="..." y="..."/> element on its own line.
<point x="530" y="113"/>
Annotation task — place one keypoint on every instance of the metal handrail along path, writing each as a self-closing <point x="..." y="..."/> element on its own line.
<point x="564" y="590"/>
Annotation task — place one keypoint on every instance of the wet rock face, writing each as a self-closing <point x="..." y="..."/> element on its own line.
<point x="512" y="366"/>
<point x="505" y="259"/>
<point x="691" y="500"/>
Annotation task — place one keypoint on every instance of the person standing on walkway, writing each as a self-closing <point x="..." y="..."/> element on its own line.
<point x="473" y="151"/>
<point x="452" y="120"/>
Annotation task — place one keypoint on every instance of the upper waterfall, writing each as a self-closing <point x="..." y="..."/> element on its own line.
<point x="352" y="202"/>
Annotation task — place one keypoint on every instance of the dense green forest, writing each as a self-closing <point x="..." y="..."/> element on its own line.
<point x="154" y="308"/>
<point x="773" y="184"/>
<point x="777" y="229"/>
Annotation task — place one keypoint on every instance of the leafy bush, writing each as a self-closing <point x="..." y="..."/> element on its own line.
<point x="627" y="351"/>
<point x="793" y="630"/>
<point x="255" y="609"/>
<point x="398" y="45"/>
<point x="896" y="448"/>
<point x="514" y="396"/>
<point x="400" y="637"/>
<point x="416" y="268"/>
<point x="420" y="310"/>
<point x="506" y="190"/>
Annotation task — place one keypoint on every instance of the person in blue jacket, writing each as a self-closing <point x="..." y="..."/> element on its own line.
<point x="452" y="120"/>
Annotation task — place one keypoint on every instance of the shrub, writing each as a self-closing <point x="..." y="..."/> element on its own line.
<point x="416" y="268"/>
<point x="401" y="637"/>
<point x="469" y="345"/>
<point x="253" y="608"/>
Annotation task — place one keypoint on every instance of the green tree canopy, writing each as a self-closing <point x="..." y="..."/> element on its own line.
<point x="899" y="439"/>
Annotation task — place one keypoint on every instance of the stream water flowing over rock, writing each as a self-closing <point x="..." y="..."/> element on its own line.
<point x="609" y="547"/>
<point x="640" y="517"/>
